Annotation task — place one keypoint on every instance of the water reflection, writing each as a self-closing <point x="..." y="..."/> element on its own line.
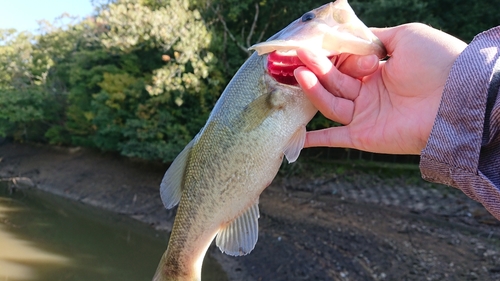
<point x="16" y="254"/>
<point x="44" y="237"/>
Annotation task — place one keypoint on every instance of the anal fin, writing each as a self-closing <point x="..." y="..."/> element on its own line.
<point x="239" y="237"/>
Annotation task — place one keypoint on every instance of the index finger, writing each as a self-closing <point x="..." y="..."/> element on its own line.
<point x="329" y="76"/>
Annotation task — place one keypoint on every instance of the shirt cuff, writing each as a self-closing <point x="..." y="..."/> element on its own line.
<point x="451" y="155"/>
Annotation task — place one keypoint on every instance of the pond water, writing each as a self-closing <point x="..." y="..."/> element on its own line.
<point x="44" y="237"/>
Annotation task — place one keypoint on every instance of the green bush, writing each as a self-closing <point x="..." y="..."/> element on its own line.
<point x="26" y="114"/>
<point x="142" y="76"/>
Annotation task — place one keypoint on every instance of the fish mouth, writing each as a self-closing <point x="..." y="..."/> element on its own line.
<point x="282" y="65"/>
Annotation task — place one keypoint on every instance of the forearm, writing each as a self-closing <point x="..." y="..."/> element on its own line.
<point x="463" y="149"/>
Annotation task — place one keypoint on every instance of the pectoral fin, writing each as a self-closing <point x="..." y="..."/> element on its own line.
<point x="170" y="187"/>
<point x="295" y="144"/>
<point x="259" y="109"/>
<point x="240" y="236"/>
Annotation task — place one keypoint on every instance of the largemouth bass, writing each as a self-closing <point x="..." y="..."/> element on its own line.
<point x="260" y="117"/>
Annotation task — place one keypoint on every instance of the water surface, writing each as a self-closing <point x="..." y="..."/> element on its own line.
<point x="44" y="237"/>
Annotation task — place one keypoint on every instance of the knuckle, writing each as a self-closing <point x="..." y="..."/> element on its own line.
<point x="333" y="108"/>
<point x="336" y="82"/>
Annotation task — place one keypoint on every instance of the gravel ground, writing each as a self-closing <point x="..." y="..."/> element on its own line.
<point x="343" y="225"/>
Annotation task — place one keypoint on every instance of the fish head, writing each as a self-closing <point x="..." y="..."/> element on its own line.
<point x="329" y="30"/>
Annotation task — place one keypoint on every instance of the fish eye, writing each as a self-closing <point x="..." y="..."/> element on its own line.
<point x="308" y="16"/>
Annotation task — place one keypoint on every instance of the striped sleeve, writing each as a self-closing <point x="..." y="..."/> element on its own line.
<point x="463" y="149"/>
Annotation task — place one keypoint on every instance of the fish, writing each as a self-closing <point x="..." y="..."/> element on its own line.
<point x="260" y="118"/>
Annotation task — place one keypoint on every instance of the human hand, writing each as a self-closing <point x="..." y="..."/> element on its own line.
<point x="392" y="108"/>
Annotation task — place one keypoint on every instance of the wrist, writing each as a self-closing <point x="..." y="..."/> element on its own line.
<point x="457" y="135"/>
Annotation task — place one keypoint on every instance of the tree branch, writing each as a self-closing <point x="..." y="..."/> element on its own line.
<point x="262" y="33"/>
<point x="254" y="24"/>
<point x="221" y="19"/>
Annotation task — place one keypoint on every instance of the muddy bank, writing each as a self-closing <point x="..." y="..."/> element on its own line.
<point x="344" y="226"/>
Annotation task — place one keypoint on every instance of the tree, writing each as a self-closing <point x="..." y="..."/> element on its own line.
<point x="180" y="93"/>
<point x="24" y="104"/>
<point x="141" y="76"/>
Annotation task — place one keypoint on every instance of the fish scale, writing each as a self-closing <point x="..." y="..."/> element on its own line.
<point x="218" y="177"/>
<point x="224" y="174"/>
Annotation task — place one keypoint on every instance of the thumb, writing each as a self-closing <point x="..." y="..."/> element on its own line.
<point x="359" y="66"/>
<point x="330" y="137"/>
<point x="389" y="36"/>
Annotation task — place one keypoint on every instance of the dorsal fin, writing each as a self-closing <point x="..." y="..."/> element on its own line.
<point x="239" y="237"/>
<point x="171" y="184"/>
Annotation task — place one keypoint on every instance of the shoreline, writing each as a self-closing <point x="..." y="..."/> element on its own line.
<point x="350" y="226"/>
<point x="131" y="188"/>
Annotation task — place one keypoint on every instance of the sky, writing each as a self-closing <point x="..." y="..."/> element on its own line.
<point x="23" y="14"/>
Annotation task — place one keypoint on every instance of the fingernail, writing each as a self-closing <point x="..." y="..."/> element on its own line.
<point x="367" y="62"/>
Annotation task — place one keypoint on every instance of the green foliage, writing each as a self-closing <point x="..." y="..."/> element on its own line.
<point x="382" y="13"/>
<point x="16" y="60"/>
<point x="155" y="117"/>
<point x="140" y="79"/>
<point x="464" y="19"/>
<point x="238" y="24"/>
<point x="142" y="76"/>
<point x="461" y="18"/>
<point x="24" y="114"/>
